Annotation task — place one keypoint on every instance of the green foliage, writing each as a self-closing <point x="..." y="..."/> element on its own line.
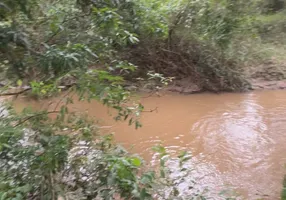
<point x="70" y="160"/>
<point x="283" y="193"/>
<point x="44" y="162"/>
<point x="56" y="45"/>
<point x="30" y="158"/>
<point x="91" y="48"/>
<point x="271" y="28"/>
<point x="214" y="20"/>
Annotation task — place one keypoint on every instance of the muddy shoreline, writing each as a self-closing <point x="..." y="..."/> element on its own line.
<point x="255" y="85"/>
<point x="267" y="76"/>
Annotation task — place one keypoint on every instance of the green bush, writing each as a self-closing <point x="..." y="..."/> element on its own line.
<point x="48" y="162"/>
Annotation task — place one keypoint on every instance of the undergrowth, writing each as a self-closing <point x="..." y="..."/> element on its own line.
<point x="209" y="69"/>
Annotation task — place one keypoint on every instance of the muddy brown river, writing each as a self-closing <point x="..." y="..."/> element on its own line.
<point x="238" y="141"/>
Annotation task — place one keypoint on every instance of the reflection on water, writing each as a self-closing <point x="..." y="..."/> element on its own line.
<point x="237" y="140"/>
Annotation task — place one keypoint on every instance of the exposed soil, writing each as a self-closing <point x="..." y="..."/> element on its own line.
<point x="268" y="85"/>
<point x="268" y="76"/>
<point x="185" y="86"/>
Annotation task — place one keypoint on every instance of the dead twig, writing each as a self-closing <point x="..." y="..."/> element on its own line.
<point x="149" y="95"/>
<point x="152" y="110"/>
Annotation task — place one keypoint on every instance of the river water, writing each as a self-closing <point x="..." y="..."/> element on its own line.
<point x="238" y="141"/>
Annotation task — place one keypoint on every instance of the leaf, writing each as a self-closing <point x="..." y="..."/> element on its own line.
<point x="4" y="195"/>
<point x="144" y="194"/>
<point x="147" y="178"/>
<point x="19" y="82"/>
<point x="19" y="196"/>
<point x="43" y="91"/>
<point x="162" y="162"/>
<point x="176" y="192"/>
<point x="7" y="146"/>
<point x="159" y="149"/>
<point x="136" y="162"/>
<point x="137" y="125"/>
<point x="26" y="188"/>
<point x="130" y="122"/>
<point x="125" y="118"/>
<point x="182" y="154"/>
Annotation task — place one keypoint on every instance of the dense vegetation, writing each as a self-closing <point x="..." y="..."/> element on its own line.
<point x="96" y="49"/>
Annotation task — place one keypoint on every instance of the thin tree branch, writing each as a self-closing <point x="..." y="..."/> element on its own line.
<point x="152" y="110"/>
<point x="33" y="116"/>
<point x="29" y="88"/>
<point x="15" y="93"/>
<point x="149" y="95"/>
<point x="62" y="99"/>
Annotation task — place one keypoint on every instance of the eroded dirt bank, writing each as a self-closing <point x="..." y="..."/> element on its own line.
<point x="268" y="76"/>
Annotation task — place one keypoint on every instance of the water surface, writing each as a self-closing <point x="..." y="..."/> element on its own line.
<point x="237" y="140"/>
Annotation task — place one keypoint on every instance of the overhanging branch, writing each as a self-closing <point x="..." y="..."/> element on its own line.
<point x="15" y="93"/>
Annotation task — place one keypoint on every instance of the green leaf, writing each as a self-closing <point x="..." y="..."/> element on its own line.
<point x="19" y="82"/>
<point x="4" y="195"/>
<point x="162" y="162"/>
<point x="147" y="178"/>
<point x="137" y="125"/>
<point x="7" y="146"/>
<point x="19" y="196"/>
<point x="182" y="154"/>
<point x="160" y="149"/>
<point x="136" y="162"/>
<point x="43" y="91"/>
<point x="26" y="188"/>
<point x="144" y="194"/>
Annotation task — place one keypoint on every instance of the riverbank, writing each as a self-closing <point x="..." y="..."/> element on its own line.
<point x="270" y="75"/>
<point x="267" y="76"/>
<point x="256" y="84"/>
